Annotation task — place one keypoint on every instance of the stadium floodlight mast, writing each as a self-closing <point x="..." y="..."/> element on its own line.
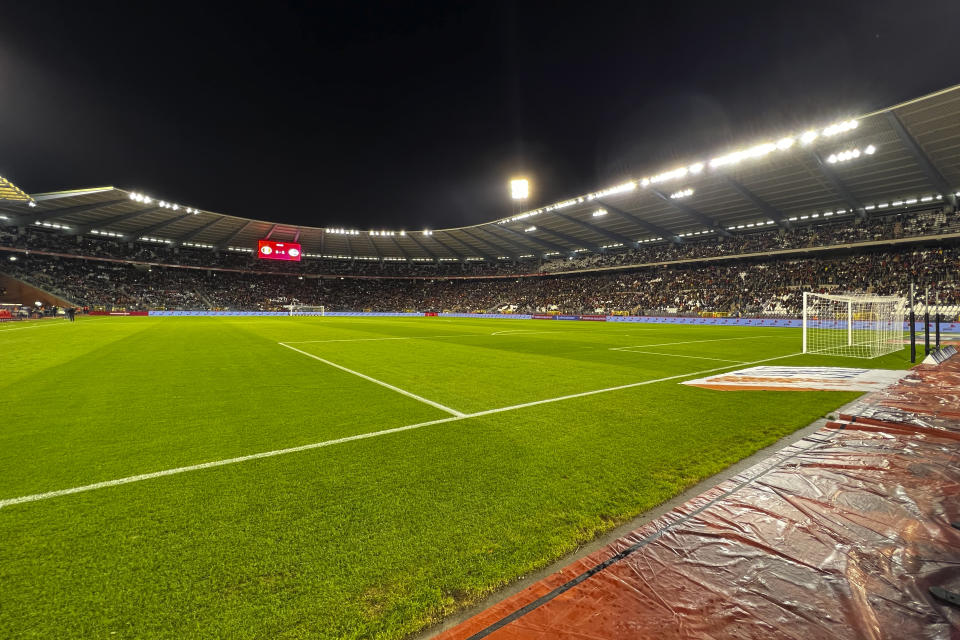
<point x="519" y="192"/>
<point x="519" y="188"/>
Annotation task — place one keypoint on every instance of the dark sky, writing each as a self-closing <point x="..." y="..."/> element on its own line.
<point x="413" y="114"/>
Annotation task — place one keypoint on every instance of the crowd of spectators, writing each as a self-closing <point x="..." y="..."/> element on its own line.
<point x="141" y="275"/>
<point x="817" y="233"/>
<point x="743" y="286"/>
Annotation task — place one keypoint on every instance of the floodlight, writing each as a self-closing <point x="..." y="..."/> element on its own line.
<point x="519" y="189"/>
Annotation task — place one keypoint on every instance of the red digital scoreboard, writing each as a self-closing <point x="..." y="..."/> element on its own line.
<point x="270" y="250"/>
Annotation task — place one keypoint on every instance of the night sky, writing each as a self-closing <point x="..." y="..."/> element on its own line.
<point x="414" y="114"/>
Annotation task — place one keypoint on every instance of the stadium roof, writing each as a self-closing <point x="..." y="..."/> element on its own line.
<point x="905" y="155"/>
<point x="11" y="193"/>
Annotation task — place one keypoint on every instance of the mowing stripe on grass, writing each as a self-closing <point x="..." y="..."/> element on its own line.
<point x="363" y="436"/>
<point x="437" y="405"/>
<point x="446" y="335"/>
<point x="667" y="344"/>
<point x="677" y="355"/>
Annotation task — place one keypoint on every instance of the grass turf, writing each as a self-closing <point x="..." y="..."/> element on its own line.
<point x="370" y="538"/>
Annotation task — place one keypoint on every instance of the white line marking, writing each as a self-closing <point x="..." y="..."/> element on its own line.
<point x="215" y="463"/>
<point x="446" y="335"/>
<point x="48" y="323"/>
<point x="316" y="445"/>
<point x="667" y="344"/>
<point x="454" y="412"/>
<point x="520" y="331"/>
<point x="677" y="355"/>
<point x="622" y="386"/>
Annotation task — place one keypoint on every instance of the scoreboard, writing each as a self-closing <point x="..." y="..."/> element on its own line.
<point x="270" y="250"/>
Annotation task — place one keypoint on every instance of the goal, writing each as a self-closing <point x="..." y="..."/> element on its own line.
<point x="306" y="310"/>
<point x="854" y="325"/>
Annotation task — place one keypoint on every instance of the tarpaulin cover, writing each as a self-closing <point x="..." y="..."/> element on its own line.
<point x="837" y="536"/>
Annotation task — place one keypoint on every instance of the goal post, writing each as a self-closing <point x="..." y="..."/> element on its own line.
<point x="306" y="310"/>
<point x="853" y="325"/>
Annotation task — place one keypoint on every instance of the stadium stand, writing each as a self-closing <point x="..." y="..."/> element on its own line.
<point x="865" y="204"/>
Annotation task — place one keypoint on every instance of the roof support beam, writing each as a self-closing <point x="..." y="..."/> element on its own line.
<point x="400" y="249"/>
<point x="578" y="243"/>
<point x="933" y="175"/>
<point x="764" y="206"/>
<point x="616" y="237"/>
<point x="507" y="241"/>
<point x="693" y="213"/>
<point x="103" y="224"/>
<point x="193" y="234"/>
<point x="159" y="225"/>
<point x="838" y="187"/>
<point x="222" y="244"/>
<point x="373" y="245"/>
<point x="454" y="252"/>
<point x="496" y="247"/>
<point x="422" y="246"/>
<point x="527" y="236"/>
<point x="57" y="213"/>
<point x="649" y="226"/>
<point x="270" y="233"/>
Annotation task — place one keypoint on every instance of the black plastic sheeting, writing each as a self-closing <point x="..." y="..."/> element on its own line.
<point x="840" y="535"/>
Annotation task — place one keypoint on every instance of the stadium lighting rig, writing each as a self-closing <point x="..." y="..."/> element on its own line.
<point x="850" y="154"/>
<point x="519" y="188"/>
<point x="599" y="213"/>
<point x="685" y="193"/>
<point x="780" y="145"/>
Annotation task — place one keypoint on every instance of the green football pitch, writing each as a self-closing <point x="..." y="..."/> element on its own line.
<point x="345" y="477"/>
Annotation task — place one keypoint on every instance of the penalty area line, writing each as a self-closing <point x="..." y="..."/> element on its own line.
<point x="436" y="405"/>
<point x="677" y="355"/>
<point x="362" y="436"/>
<point x="667" y="344"/>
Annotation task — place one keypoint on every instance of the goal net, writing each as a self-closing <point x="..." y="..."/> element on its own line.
<point x="306" y="310"/>
<point x="854" y="325"/>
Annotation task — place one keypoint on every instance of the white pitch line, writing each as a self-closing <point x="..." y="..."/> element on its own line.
<point x="48" y="323"/>
<point x="316" y="445"/>
<point x="437" y="405"/>
<point x="216" y="463"/>
<point x="677" y="355"/>
<point x="622" y="386"/>
<point x="667" y="344"/>
<point x="520" y="331"/>
<point x="446" y="335"/>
